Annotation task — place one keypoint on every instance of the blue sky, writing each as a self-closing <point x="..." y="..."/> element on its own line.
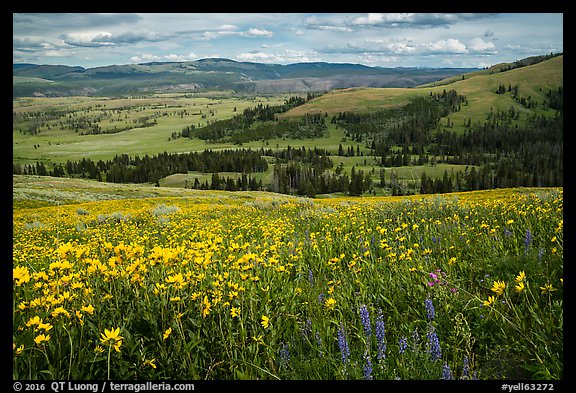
<point x="373" y="39"/>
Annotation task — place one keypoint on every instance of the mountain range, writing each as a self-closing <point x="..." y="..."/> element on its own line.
<point x="214" y="74"/>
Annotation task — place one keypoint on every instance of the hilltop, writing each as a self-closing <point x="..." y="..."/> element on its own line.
<point x="532" y="82"/>
<point x="214" y="74"/>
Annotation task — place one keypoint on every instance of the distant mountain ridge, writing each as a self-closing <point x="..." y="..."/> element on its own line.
<point x="214" y="73"/>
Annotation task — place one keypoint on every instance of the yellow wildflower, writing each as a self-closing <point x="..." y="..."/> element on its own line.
<point x="547" y="289"/>
<point x="88" y="309"/>
<point x="265" y="322"/>
<point x="45" y="326"/>
<point x="41" y="339"/>
<point x="21" y="275"/>
<point x="498" y="287"/>
<point x="60" y="310"/>
<point x="520" y="277"/>
<point x="330" y="303"/>
<point x="167" y="333"/>
<point x="150" y="363"/>
<point x="519" y="287"/>
<point x="36" y="320"/>
<point x="19" y="350"/>
<point x="205" y="307"/>
<point x="490" y="301"/>
<point x="112" y="338"/>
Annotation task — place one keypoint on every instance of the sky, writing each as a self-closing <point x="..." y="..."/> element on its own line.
<point x="372" y="39"/>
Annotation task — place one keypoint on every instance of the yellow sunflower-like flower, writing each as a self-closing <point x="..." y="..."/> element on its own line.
<point x="36" y="320"/>
<point x="60" y="310"/>
<point x="112" y="338"/>
<point x="547" y="289"/>
<point x="21" y="275"/>
<point x="330" y="303"/>
<point x="150" y="363"/>
<point x="498" y="287"/>
<point x="490" y="301"/>
<point x="234" y="311"/>
<point x="19" y="350"/>
<point x="88" y="309"/>
<point x="206" y="306"/>
<point x="41" y="339"/>
<point x="265" y="322"/>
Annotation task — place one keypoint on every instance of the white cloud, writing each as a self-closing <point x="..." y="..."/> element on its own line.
<point x="284" y="57"/>
<point x="397" y="47"/>
<point x="254" y="32"/>
<point x="450" y="45"/>
<point x="144" y="58"/>
<point x="479" y="45"/>
<point x="231" y="30"/>
<point x="148" y="57"/>
<point x="105" y="38"/>
<point x="414" y="20"/>
<point x="326" y="23"/>
<point x="381" y="19"/>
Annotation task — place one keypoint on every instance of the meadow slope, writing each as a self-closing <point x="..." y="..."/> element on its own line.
<point x="139" y="283"/>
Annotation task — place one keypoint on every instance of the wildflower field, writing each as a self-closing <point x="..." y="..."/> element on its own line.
<point x="261" y="286"/>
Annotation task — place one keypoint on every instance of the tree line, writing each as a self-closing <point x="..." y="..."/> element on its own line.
<point x="149" y="169"/>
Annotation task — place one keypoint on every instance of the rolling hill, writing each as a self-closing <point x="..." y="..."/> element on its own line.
<point x="213" y="74"/>
<point x="533" y="82"/>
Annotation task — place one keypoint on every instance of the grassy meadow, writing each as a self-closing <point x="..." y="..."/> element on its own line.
<point x="57" y="143"/>
<point x="138" y="282"/>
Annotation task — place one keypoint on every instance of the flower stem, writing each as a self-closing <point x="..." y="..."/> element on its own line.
<point x="109" y="350"/>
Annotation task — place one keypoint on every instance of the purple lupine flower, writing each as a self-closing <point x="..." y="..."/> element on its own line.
<point x="284" y="355"/>
<point x="465" y="368"/>
<point x="319" y="342"/>
<point x="402" y="345"/>
<point x="434" y="344"/>
<point x="343" y="344"/>
<point x="367" y="366"/>
<point x="415" y="340"/>
<point x="527" y="240"/>
<point x="430" y="313"/>
<point x="380" y="335"/>
<point x="365" y="317"/>
<point x="306" y="330"/>
<point x="540" y="253"/>
<point x="446" y="372"/>
<point x="507" y="232"/>
<point x="310" y="277"/>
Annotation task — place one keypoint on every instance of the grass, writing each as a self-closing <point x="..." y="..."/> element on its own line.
<point x="478" y="87"/>
<point x="57" y="145"/>
<point x="216" y="285"/>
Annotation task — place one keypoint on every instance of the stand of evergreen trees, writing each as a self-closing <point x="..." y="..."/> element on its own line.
<point x="150" y="169"/>
<point x="260" y="123"/>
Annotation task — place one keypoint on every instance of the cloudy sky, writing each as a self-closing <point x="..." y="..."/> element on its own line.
<point x="385" y="39"/>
